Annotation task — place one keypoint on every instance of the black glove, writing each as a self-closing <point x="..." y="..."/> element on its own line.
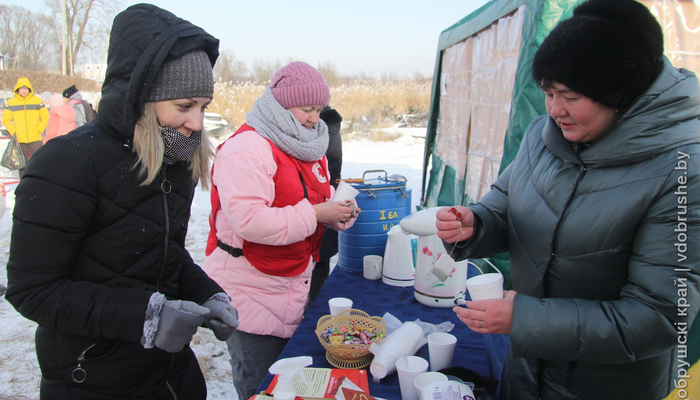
<point x="222" y="318"/>
<point x="179" y="320"/>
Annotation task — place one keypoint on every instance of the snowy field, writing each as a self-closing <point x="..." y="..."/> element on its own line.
<point x="19" y="371"/>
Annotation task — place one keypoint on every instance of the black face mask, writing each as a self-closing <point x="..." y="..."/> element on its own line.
<point x="179" y="147"/>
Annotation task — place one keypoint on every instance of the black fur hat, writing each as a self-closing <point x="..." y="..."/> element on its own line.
<point x="609" y="50"/>
<point x="70" y="91"/>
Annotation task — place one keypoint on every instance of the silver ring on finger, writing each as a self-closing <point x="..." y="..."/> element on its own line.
<point x="481" y="324"/>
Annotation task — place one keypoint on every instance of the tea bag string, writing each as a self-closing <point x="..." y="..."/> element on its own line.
<point x="459" y="218"/>
<point x="456" y="241"/>
<point x="460" y="300"/>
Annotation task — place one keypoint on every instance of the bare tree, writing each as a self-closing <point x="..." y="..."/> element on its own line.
<point x="330" y="73"/>
<point x="229" y="69"/>
<point x="42" y="50"/>
<point x="28" y="40"/>
<point x="263" y="71"/>
<point x="87" y="25"/>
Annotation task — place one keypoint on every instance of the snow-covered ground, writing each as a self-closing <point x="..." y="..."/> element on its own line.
<point x="19" y="371"/>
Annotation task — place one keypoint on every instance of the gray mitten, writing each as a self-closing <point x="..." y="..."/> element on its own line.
<point x="222" y="318"/>
<point x="179" y="321"/>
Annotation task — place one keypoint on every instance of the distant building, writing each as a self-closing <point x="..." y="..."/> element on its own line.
<point x="96" y="72"/>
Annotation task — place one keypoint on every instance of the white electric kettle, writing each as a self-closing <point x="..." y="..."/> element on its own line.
<point x="399" y="266"/>
<point x="427" y="288"/>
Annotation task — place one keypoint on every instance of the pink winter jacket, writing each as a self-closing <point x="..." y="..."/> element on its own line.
<point x="61" y="121"/>
<point x="243" y="173"/>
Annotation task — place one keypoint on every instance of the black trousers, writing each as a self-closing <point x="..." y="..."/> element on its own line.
<point x="318" y="278"/>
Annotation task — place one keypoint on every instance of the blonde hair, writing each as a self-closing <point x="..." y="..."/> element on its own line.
<point x="149" y="148"/>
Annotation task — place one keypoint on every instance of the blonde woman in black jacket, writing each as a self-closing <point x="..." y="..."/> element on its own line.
<point x="98" y="254"/>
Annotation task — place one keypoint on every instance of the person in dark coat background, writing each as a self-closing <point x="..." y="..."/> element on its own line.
<point x="84" y="113"/>
<point x="329" y="245"/>
<point x="97" y="256"/>
<point x="599" y="212"/>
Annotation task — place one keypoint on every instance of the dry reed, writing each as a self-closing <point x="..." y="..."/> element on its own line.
<point x="364" y="105"/>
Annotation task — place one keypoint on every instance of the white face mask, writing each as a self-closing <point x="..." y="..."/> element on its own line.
<point x="179" y="147"/>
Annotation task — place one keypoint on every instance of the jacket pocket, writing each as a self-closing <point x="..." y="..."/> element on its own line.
<point x="103" y="366"/>
<point x="96" y="351"/>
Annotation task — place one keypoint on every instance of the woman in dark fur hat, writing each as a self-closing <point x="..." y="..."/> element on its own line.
<point x="596" y="211"/>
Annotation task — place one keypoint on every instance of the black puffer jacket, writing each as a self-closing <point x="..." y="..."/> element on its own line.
<point x="90" y="245"/>
<point x="334" y="154"/>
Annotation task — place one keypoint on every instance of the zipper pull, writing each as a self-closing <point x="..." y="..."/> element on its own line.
<point x="79" y="375"/>
<point x="165" y="185"/>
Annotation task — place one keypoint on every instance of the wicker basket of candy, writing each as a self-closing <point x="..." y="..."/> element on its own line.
<point x="348" y="335"/>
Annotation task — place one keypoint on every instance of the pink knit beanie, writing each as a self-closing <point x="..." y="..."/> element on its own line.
<point x="56" y="100"/>
<point x="299" y="84"/>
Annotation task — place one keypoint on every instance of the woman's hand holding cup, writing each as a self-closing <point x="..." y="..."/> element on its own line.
<point x="331" y="212"/>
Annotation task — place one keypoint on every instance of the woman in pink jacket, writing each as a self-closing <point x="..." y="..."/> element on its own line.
<point x="270" y="204"/>
<point x="61" y="118"/>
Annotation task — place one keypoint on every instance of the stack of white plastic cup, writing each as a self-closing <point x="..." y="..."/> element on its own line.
<point x="404" y="341"/>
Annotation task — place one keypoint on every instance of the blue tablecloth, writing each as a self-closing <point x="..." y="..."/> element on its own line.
<point x="483" y="354"/>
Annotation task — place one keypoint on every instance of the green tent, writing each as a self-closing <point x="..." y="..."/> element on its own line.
<point x="483" y="96"/>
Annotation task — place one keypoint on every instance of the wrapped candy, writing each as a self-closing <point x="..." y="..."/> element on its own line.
<point x="350" y="335"/>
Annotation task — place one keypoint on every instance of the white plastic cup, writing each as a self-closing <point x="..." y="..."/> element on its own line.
<point x="486" y="286"/>
<point x="427" y="378"/>
<point x="441" y="348"/>
<point x="344" y="191"/>
<point x="372" y="267"/>
<point x="408" y="368"/>
<point x="338" y="304"/>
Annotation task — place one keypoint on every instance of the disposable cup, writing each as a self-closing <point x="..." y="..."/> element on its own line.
<point x="344" y="191"/>
<point x="441" y="347"/>
<point x="408" y="368"/>
<point x="426" y="378"/>
<point x="486" y="286"/>
<point x="372" y="267"/>
<point x="338" y="304"/>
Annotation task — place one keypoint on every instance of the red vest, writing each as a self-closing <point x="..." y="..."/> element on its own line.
<point x="294" y="181"/>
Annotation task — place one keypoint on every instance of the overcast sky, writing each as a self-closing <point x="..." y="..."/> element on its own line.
<point x="373" y="37"/>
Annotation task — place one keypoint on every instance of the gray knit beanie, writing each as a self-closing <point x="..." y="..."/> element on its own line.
<point x="187" y="76"/>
